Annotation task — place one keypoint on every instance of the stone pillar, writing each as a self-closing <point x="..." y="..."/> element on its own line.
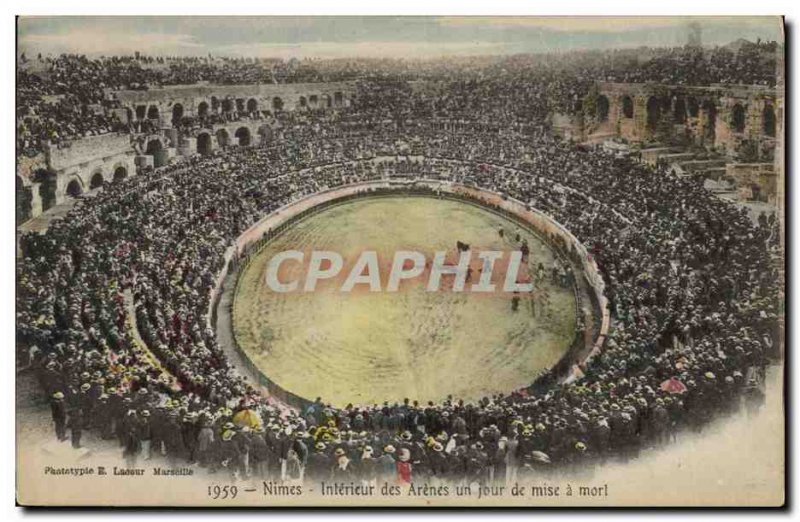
<point x="36" y="200"/>
<point x="172" y="135"/>
<point x="188" y="146"/>
<point x="639" y="117"/>
<point x="144" y="160"/>
<point x="754" y="119"/>
<point x="61" y="188"/>
<point x="614" y="109"/>
<point x="723" y="133"/>
<point x="703" y="118"/>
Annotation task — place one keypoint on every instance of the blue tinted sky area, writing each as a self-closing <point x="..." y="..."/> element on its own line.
<point x="395" y="37"/>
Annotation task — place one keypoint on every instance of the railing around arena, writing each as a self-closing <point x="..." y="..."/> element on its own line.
<point x="255" y="238"/>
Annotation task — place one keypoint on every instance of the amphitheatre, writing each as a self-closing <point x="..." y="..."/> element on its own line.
<point x="647" y="216"/>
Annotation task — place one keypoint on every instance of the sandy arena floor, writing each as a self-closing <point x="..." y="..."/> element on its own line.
<point x="369" y="347"/>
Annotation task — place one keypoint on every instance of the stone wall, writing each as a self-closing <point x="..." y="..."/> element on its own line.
<point x="87" y="149"/>
<point x="189" y="100"/>
<point x="74" y="168"/>
<point x="81" y="165"/>
<point x="728" y="119"/>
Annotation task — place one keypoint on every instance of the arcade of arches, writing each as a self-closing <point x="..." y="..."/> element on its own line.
<point x="724" y="120"/>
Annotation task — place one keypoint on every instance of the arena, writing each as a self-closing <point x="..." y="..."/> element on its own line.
<point x="373" y="347"/>
<point x="147" y="217"/>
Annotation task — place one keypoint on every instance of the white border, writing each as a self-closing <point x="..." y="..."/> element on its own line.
<point x="318" y="7"/>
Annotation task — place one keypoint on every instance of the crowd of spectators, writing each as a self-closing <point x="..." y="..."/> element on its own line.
<point x="71" y="96"/>
<point x="113" y="300"/>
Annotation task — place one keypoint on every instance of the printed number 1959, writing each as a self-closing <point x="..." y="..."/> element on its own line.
<point x="222" y="492"/>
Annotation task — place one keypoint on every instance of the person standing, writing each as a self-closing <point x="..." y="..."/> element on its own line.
<point x="403" y="466"/>
<point x="76" y="425"/>
<point x="146" y="434"/>
<point x="511" y="457"/>
<point x="259" y="454"/>
<point x="205" y="442"/>
<point x="132" y="446"/>
<point x="59" y="411"/>
<point x="319" y="464"/>
<point x="228" y="454"/>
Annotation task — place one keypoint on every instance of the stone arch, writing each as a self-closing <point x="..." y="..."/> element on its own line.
<point x="769" y="120"/>
<point x="738" y="118"/>
<point x="74" y="187"/>
<point x="252" y="105"/>
<point x="214" y="103"/>
<point x="156" y="149"/>
<point x="693" y="107"/>
<point x="653" y="108"/>
<point x="227" y="105"/>
<point x="313" y="101"/>
<point x="679" y="110"/>
<point x="24" y="198"/>
<point x="177" y="113"/>
<point x="240" y="105"/>
<point x="152" y="112"/>
<point x="223" y="138"/>
<point x="277" y="103"/>
<point x="204" y="143"/>
<point x="120" y="173"/>
<point x="338" y="98"/>
<point x="141" y="112"/>
<point x="242" y="136"/>
<point x="326" y="101"/>
<point x="96" y="180"/>
<point x="627" y="107"/>
<point x="601" y="109"/>
<point x="303" y="102"/>
<point x="202" y="110"/>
